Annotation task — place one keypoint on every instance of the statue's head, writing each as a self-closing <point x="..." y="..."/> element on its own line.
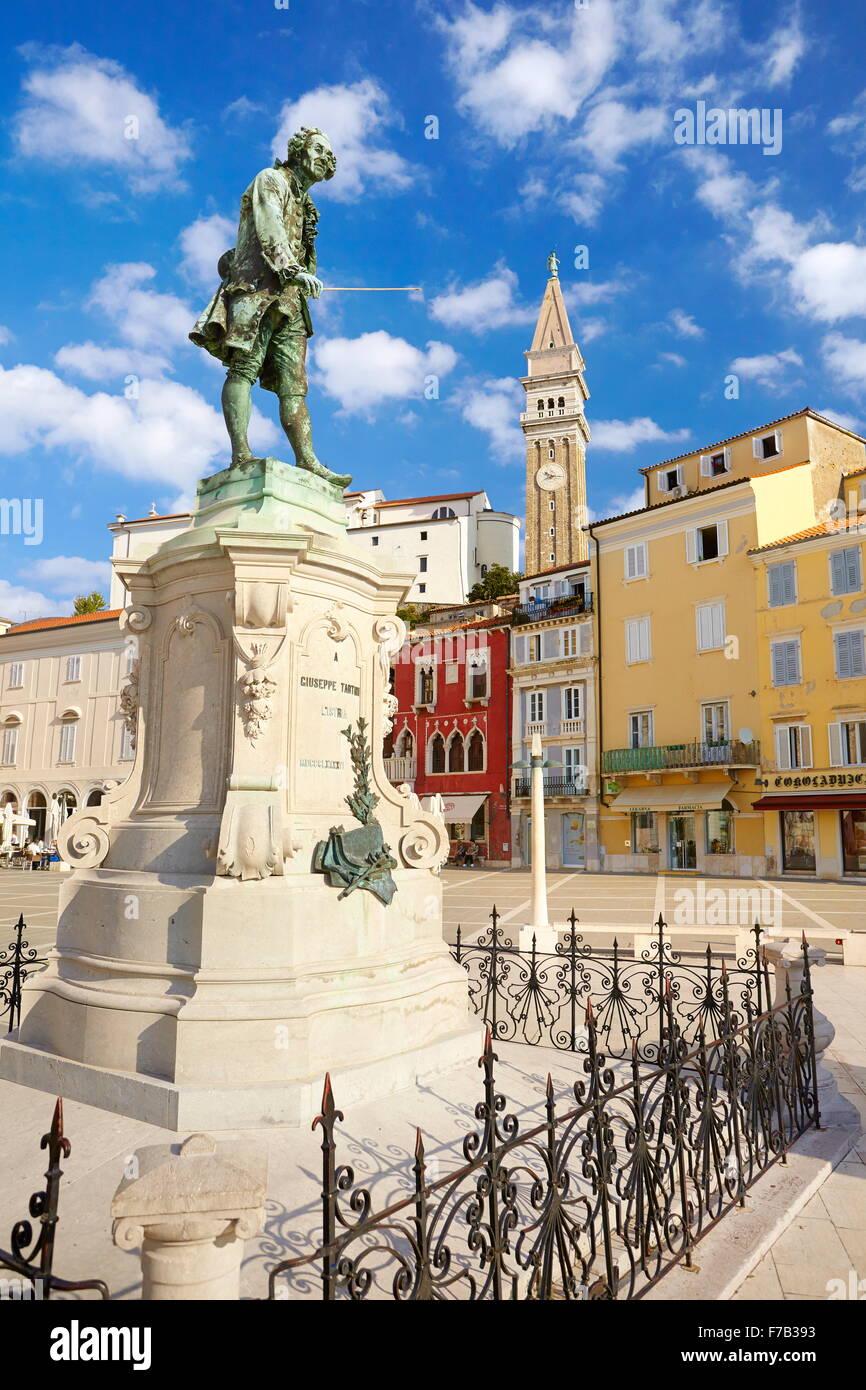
<point x="309" y="152"/>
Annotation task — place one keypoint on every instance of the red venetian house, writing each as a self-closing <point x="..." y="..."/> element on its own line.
<point x="451" y="732"/>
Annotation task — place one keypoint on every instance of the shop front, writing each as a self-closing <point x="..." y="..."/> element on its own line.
<point x="678" y="828"/>
<point x="816" y="823"/>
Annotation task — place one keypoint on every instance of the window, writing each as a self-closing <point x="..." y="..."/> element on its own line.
<point x="535" y="647"/>
<point x="798" y="841"/>
<point x="73" y="668"/>
<point x="68" y="732"/>
<point x="551" y="506"/>
<point x="714" y="722"/>
<point x="793" y="746"/>
<point x="574" y="769"/>
<point x="551" y="453"/>
<point x="640" y="729"/>
<point x="552" y="557"/>
<point x="719" y="831"/>
<point x="710" y="625"/>
<point x="636" y="561"/>
<point x="767" y="446"/>
<point x="423" y="535"/>
<point x="444" y="514"/>
<point x="426" y="686"/>
<point x="637" y="640"/>
<point x="540" y="405"/>
<point x="573" y="702"/>
<point x="475" y="752"/>
<point x="127" y="746"/>
<point x="848" y="743"/>
<point x="644" y="832"/>
<point x="374" y="540"/>
<point x="422" y="564"/>
<point x="850" y="654"/>
<point x="553" y="530"/>
<point x="437" y="753"/>
<point x="10" y="744"/>
<point x="570" y="641"/>
<point x="707" y="542"/>
<point x="455" y="753"/>
<point x="536" y="706"/>
<point x="422" y="588"/>
<point x="669" y="478"/>
<point x="560" y="401"/>
<point x="845" y="571"/>
<point x="782" y="584"/>
<point x="785" y="661"/>
<point x="715" y="464"/>
<point x="477" y="674"/>
<point x="540" y="593"/>
<point x="16" y="675"/>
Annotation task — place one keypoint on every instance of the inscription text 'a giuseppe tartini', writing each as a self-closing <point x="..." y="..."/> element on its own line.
<point x="322" y="683"/>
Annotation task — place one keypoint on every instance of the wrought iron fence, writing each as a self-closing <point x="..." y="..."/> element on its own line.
<point x="17" y="962"/>
<point x="597" y="1202"/>
<point x="540" y="997"/>
<point x="35" y="1267"/>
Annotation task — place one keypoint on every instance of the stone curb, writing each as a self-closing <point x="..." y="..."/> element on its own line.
<point x="727" y="1256"/>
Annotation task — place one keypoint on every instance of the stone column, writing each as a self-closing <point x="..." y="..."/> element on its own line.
<point x="539" y="926"/>
<point x="190" y="1207"/>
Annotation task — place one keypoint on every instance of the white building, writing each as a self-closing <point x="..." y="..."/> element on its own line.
<point x="62" y="731"/>
<point x="553" y="669"/>
<point x="449" y="541"/>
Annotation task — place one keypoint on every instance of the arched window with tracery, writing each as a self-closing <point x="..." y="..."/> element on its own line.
<point x="455" y="753"/>
<point x="475" y="752"/>
<point x="437" y="753"/>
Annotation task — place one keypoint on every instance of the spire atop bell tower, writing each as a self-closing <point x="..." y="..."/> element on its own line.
<point x="556" y="432"/>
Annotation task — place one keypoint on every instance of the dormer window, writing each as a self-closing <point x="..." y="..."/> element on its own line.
<point x="716" y="464"/>
<point x="669" y="479"/>
<point x="767" y="446"/>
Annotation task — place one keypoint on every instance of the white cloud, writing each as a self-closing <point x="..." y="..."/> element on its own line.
<point x="202" y="243"/>
<point x="354" y="118"/>
<point x="591" y="329"/>
<point x="585" y="200"/>
<point x="6" y="335"/>
<point x="97" y="363"/>
<point x="845" y="358"/>
<point x="70" y="574"/>
<point x="843" y="418"/>
<point x="611" y="128"/>
<point x="626" y="502"/>
<point x="766" y="368"/>
<point x="582" y="292"/>
<point x="624" y="436"/>
<point x="493" y="406"/>
<point x="143" y="318"/>
<point x="169" y="433"/>
<point x="829" y="281"/>
<point x="21" y="603"/>
<point x="675" y="359"/>
<point x="512" y="80"/>
<point x="786" y="47"/>
<point x="684" y="324"/>
<point x="81" y="109"/>
<point x="362" y="373"/>
<point x="488" y="304"/>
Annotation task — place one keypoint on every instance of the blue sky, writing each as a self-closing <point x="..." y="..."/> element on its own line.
<point x="556" y="127"/>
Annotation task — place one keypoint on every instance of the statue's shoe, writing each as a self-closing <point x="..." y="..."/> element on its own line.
<point x="340" y="480"/>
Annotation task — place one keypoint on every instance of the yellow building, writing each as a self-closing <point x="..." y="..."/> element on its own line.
<point x="680" y="666"/>
<point x="811" y="612"/>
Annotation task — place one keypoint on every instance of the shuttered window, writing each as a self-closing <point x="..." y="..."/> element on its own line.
<point x="786" y="662"/>
<point x="10" y="745"/>
<point x="710" y="624"/>
<point x="793" y="746"/>
<point x="850" y="655"/>
<point x="782" y="584"/>
<point x="637" y="640"/>
<point x="536" y="707"/>
<point x="67" y="741"/>
<point x="845" y="570"/>
<point x="636" y="561"/>
<point x="848" y="743"/>
<point x="573" y="702"/>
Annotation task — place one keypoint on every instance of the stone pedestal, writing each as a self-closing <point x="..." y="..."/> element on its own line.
<point x="787" y="958"/>
<point x="190" y="1208"/>
<point x="205" y="975"/>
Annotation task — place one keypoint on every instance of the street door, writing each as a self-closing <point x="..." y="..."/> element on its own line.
<point x="573" y="841"/>
<point x="682" y="850"/>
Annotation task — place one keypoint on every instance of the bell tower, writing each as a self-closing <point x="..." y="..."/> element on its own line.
<point x="556" y="434"/>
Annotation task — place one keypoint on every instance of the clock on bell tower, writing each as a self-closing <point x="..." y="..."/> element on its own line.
<point x="556" y="435"/>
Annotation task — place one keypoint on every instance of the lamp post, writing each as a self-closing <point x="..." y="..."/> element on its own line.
<point x="539" y="924"/>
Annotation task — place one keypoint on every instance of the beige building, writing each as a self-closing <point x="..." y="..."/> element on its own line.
<point x="62" y="731"/>
<point x="557" y="434"/>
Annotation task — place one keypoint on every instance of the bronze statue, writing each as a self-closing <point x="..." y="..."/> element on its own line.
<point x="258" y="322"/>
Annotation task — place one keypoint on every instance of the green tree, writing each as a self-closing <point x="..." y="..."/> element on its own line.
<point x="89" y="603"/>
<point x="498" y="580"/>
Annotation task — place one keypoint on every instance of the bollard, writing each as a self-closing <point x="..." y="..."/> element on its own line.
<point x="190" y="1208"/>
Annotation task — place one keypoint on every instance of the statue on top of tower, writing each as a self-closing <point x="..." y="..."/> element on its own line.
<point x="553" y="264"/>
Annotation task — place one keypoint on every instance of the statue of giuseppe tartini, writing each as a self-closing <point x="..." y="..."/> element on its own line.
<point x="258" y="322"/>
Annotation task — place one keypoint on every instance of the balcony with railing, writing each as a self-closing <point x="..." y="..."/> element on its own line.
<point x="563" y="606"/>
<point x="553" y="787"/>
<point x="564" y="728"/>
<point x="659" y="757"/>
<point x="401" y="769"/>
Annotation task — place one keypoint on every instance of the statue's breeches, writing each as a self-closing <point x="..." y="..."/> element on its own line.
<point x="278" y="356"/>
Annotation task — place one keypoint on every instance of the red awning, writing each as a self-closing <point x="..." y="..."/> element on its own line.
<point x="812" y="801"/>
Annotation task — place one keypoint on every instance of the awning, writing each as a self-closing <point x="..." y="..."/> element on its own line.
<point x="457" y="810"/>
<point x="812" y="801"/>
<point x="699" y="796"/>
